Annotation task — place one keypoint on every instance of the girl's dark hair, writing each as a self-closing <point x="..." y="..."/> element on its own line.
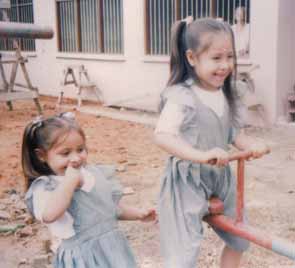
<point x="43" y="134"/>
<point x="197" y="36"/>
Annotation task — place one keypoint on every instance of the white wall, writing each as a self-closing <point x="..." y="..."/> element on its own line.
<point x="285" y="54"/>
<point x="139" y="78"/>
<point x="121" y="78"/>
<point x="264" y="33"/>
<point x="132" y="76"/>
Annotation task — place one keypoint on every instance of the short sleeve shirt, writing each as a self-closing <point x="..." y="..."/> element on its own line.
<point x="172" y="114"/>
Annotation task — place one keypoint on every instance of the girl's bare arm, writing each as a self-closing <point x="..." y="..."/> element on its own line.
<point x="178" y="147"/>
<point x="60" y="199"/>
<point x="132" y="214"/>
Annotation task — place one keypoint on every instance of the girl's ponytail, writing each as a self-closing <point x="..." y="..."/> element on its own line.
<point x="179" y="66"/>
<point x="29" y="157"/>
<point x="27" y="151"/>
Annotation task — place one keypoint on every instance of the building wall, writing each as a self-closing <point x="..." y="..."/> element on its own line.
<point x="285" y="55"/>
<point x="264" y="32"/>
<point x="135" y="80"/>
<point x="132" y="79"/>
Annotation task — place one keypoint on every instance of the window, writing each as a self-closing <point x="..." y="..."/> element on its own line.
<point x="20" y="11"/>
<point x="90" y="26"/>
<point x="161" y="14"/>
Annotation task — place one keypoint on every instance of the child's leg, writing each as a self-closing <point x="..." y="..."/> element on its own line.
<point x="230" y="258"/>
<point x="235" y="246"/>
<point x="182" y="208"/>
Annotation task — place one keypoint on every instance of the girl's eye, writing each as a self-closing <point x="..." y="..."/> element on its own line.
<point x="65" y="153"/>
<point x="81" y="149"/>
<point x="216" y="58"/>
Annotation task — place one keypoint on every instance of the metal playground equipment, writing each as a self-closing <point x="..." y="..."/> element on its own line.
<point x="237" y="226"/>
<point x="8" y="93"/>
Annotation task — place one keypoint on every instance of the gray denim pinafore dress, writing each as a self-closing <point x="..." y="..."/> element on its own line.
<point x="98" y="242"/>
<point x="186" y="186"/>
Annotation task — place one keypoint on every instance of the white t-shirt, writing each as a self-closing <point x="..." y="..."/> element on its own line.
<point x="62" y="228"/>
<point x="172" y="114"/>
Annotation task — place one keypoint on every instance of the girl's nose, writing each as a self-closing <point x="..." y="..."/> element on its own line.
<point x="75" y="160"/>
<point x="225" y="65"/>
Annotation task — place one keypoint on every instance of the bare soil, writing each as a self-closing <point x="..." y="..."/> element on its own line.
<point x="270" y="188"/>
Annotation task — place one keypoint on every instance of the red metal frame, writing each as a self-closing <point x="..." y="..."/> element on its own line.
<point x="236" y="226"/>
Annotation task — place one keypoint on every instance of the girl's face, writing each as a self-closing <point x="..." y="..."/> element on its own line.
<point x="70" y="149"/>
<point x="216" y="63"/>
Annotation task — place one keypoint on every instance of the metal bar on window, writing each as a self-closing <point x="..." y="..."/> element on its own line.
<point x="228" y="8"/>
<point x="66" y="5"/>
<point x="181" y="9"/>
<point x="110" y="27"/>
<point x="162" y="33"/>
<point x="84" y="17"/>
<point x="104" y="25"/>
<point x="116" y="29"/>
<point x="150" y="21"/>
<point x="121" y="24"/>
<point x="223" y="9"/>
<point x="69" y="28"/>
<point x="69" y="21"/>
<point x="90" y="32"/>
<point x="64" y="26"/>
<point x="218" y="8"/>
<point x="246" y="10"/>
<point x="167" y="26"/>
<point x="154" y="26"/>
<point x="107" y="26"/>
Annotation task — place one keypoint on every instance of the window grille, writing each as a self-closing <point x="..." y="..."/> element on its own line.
<point x="90" y="26"/>
<point x="161" y="14"/>
<point x="20" y="11"/>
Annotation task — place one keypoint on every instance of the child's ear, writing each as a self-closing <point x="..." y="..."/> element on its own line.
<point x="191" y="58"/>
<point x="41" y="155"/>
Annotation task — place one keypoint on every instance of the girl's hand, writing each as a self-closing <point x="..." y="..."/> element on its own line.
<point x="74" y="175"/>
<point x="258" y="149"/>
<point x="147" y="215"/>
<point x="216" y="156"/>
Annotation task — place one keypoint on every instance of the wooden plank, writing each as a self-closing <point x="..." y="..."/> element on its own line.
<point x="11" y="96"/>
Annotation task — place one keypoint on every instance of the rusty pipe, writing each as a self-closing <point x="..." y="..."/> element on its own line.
<point x="24" y="30"/>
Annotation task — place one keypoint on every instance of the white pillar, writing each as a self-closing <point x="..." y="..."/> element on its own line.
<point x="264" y="47"/>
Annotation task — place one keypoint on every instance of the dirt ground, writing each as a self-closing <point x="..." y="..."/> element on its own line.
<point x="270" y="188"/>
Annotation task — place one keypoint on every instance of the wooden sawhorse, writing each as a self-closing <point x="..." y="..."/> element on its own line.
<point x="8" y="93"/>
<point x="83" y="82"/>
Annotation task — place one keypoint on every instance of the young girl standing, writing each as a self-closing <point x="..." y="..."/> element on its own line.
<point x="199" y="118"/>
<point x="79" y="202"/>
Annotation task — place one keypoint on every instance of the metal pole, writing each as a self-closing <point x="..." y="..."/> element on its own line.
<point x="24" y="30"/>
<point x="240" y="191"/>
